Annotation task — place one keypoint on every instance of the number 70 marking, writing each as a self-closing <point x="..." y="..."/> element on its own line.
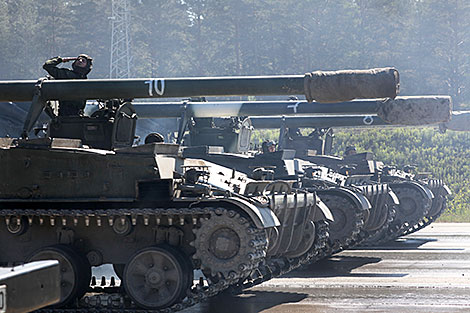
<point x="157" y="85"/>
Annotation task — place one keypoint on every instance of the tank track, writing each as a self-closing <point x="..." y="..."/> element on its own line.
<point x="114" y="299"/>
<point x="376" y="238"/>
<point x="439" y="201"/>
<point x="424" y="222"/>
<point x="276" y="267"/>
<point x="395" y="231"/>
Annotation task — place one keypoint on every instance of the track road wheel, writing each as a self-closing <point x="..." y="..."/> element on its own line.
<point x="74" y="268"/>
<point x="157" y="277"/>
<point x="348" y="220"/>
<point x="413" y="206"/>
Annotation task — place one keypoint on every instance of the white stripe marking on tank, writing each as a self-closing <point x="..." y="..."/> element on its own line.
<point x="216" y="109"/>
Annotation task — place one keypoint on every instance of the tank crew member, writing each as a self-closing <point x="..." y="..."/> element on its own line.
<point x="268" y="146"/>
<point x="81" y="66"/>
<point x="350" y="150"/>
<point x="154" y="138"/>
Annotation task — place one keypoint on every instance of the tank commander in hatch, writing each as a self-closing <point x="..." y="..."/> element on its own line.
<point x="154" y="138"/>
<point x="350" y="150"/>
<point x="268" y="146"/>
<point x="81" y="66"/>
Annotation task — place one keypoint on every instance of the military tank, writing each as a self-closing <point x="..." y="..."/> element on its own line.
<point x="422" y="198"/>
<point x="70" y="195"/>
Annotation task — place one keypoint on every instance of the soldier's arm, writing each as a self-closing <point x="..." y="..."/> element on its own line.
<point x="51" y="67"/>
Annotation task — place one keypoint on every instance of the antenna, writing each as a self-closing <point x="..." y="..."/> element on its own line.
<point x="121" y="58"/>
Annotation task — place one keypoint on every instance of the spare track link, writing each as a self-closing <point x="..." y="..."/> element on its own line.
<point x="112" y="299"/>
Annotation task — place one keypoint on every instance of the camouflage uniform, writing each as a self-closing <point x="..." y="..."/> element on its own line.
<point x="66" y="108"/>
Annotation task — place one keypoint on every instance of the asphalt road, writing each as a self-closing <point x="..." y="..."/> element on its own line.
<point x="428" y="271"/>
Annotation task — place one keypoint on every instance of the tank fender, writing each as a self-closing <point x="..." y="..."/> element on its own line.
<point x="323" y="212"/>
<point x="393" y="197"/>
<point x="263" y="217"/>
<point x="425" y="191"/>
<point x="358" y="198"/>
<point x="447" y="191"/>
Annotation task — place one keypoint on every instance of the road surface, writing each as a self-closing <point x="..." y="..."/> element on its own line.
<point x="428" y="271"/>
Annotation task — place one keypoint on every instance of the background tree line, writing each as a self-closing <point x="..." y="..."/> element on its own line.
<point x="426" y="40"/>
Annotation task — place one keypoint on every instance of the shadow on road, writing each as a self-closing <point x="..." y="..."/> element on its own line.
<point x="251" y="301"/>
<point x="338" y="266"/>
<point x="404" y="244"/>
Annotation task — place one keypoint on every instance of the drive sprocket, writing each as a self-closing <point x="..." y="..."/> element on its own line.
<point x="228" y="244"/>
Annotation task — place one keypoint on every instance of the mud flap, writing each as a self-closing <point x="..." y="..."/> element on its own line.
<point x="297" y="232"/>
<point x="378" y="195"/>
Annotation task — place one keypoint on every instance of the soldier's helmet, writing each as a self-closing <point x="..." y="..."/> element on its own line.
<point x="268" y="146"/>
<point x="350" y="150"/>
<point x="83" y="70"/>
<point x="154" y="138"/>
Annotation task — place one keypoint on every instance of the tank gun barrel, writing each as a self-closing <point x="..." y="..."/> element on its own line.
<point x="315" y="121"/>
<point x="401" y="110"/>
<point x="321" y="86"/>
<point x="250" y="108"/>
<point x="460" y="121"/>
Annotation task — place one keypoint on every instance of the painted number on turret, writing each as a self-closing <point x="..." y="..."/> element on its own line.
<point x="294" y="106"/>
<point x="156" y="86"/>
